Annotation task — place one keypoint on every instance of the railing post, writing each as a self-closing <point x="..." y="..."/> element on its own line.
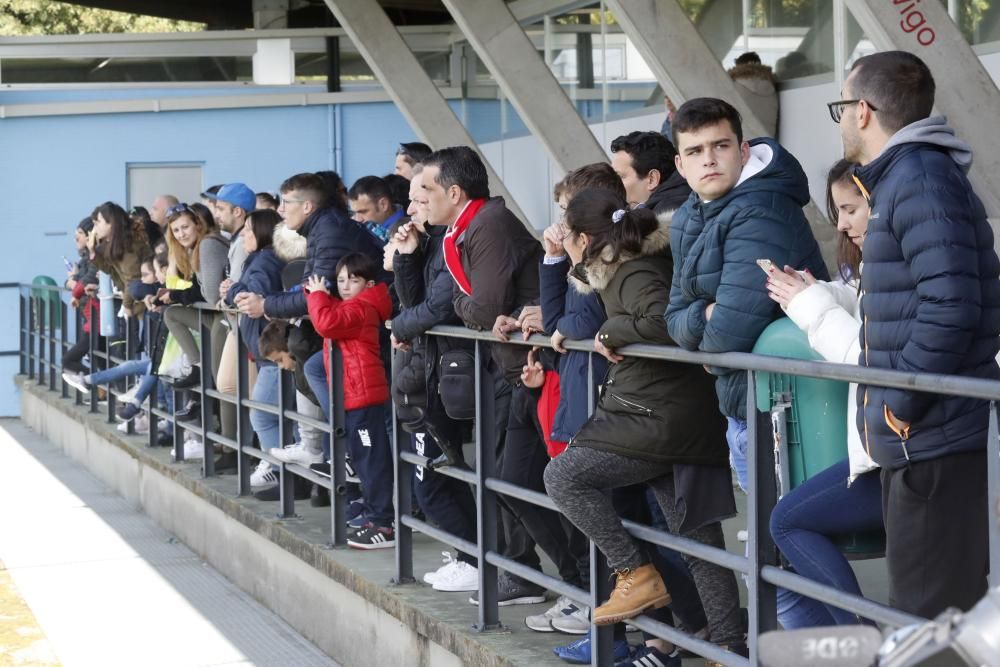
<point x="22" y="335"/>
<point x="486" y="501"/>
<point x="152" y="436"/>
<point x="601" y="636"/>
<point x="338" y="446"/>
<point x="64" y="324"/>
<point x="205" y="382"/>
<point x="403" y="502"/>
<point x="92" y="355"/>
<point x="244" y="430"/>
<point x="40" y="317"/>
<point x="108" y="363"/>
<point x="30" y="328"/>
<point x="993" y="492"/>
<point x="52" y="339"/>
<point x="286" y="479"/>
<point x="761" y="498"/>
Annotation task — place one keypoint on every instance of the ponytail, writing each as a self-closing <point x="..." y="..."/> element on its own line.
<point x="605" y="217"/>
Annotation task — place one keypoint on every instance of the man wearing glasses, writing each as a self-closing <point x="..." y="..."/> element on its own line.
<point x="931" y="304"/>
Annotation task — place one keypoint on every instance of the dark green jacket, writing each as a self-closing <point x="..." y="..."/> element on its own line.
<point x="659" y="411"/>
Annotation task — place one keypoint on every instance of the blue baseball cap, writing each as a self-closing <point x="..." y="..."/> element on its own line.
<point x="236" y="194"/>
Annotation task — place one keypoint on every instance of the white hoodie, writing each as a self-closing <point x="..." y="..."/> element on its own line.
<point x="829" y="314"/>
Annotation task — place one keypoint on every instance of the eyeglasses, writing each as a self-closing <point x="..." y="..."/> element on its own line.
<point x="179" y="208"/>
<point x="837" y="108"/>
<point x="285" y="200"/>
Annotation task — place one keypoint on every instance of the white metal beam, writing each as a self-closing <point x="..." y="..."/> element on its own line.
<point x="519" y="69"/>
<point x="966" y="93"/>
<point x="407" y="83"/>
<point x="686" y="68"/>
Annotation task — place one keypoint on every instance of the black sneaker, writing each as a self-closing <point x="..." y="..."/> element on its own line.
<point x="128" y="411"/>
<point x="372" y="537"/>
<point x="190" y="412"/>
<point x="226" y="462"/>
<point x="189" y="380"/>
<point x="512" y="590"/>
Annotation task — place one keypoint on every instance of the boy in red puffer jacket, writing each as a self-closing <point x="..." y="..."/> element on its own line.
<point x="353" y="321"/>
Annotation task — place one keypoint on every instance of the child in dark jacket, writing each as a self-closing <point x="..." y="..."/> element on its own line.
<point x="354" y="321"/>
<point x="82" y="281"/>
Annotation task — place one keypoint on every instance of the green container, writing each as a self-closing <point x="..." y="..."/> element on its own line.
<point x="44" y="300"/>
<point x="816" y="419"/>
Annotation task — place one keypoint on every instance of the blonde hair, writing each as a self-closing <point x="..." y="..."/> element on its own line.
<point x="184" y="263"/>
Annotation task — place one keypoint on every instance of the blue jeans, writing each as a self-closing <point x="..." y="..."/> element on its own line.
<point x="265" y="425"/>
<point x="794" y="610"/>
<point x="823" y="506"/>
<point x="316" y="377"/>
<point x="120" y="372"/>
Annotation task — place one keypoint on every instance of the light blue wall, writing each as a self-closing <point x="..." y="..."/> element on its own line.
<point x="54" y="170"/>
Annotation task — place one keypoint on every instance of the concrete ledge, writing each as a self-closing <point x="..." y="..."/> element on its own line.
<point x="340" y="599"/>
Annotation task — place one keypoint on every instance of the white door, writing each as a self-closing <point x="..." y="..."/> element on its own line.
<point x="147" y="180"/>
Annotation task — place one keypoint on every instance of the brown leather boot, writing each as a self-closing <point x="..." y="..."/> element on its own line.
<point x="635" y="591"/>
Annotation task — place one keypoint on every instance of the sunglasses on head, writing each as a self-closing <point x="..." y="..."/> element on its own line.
<point x="179" y="208"/>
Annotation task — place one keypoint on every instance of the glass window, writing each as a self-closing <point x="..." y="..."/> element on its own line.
<point x="979" y="20"/>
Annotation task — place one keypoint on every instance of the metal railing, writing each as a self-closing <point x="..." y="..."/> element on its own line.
<point x="761" y="565"/>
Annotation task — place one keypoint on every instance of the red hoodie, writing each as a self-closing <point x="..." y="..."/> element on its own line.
<point x="89" y="305"/>
<point x="355" y="324"/>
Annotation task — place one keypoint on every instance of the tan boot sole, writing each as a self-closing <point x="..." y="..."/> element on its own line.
<point x="609" y="619"/>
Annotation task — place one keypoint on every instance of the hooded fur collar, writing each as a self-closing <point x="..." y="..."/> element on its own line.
<point x="288" y="245"/>
<point x="752" y="71"/>
<point x="597" y="273"/>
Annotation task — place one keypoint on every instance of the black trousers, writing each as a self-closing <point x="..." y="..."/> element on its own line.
<point x="72" y="359"/>
<point x="524" y="461"/>
<point x="446" y="501"/>
<point x="937" y="544"/>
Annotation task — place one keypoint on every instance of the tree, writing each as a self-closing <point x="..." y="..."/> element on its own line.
<point x="47" y="17"/>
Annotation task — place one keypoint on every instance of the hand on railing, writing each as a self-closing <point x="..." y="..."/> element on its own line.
<point x="606" y="351"/>
<point x="503" y="326"/>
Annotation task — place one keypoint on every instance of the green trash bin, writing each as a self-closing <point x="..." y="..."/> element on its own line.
<point x="809" y="420"/>
<point x="44" y="298"/>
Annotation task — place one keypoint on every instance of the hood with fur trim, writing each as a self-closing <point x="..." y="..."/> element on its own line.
<point x="597" y="273"/>
<point x="288" y="245"/>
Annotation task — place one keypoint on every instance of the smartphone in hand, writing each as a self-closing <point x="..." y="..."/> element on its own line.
<point x="765" y="265"/>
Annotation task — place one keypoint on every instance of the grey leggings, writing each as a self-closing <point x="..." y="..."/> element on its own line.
<point x="578" y="481"/>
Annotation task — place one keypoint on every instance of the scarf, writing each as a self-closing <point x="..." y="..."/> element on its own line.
<point x="452" y="256"/>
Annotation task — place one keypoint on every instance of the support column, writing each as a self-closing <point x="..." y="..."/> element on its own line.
<point x="408" y="84"/>
<point x="524" y="78"/>
<point x="686" y="68"/>
<point x="965" y="93"/>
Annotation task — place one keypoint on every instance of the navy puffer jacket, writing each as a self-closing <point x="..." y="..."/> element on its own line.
<point x="261" y="275"/>
<point x="931" y="297"/>
<point x="716" y="245"/>
<point x="576" y="313"/>
<point x="330" y="235"/>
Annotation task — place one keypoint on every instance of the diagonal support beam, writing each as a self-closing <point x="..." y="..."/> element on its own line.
<point x="686" y="68"/>
<point x="683" y="63"/>
<point x="500" y="42"/>
<point x="407" y="83"/>
<point x="966" y="93"/>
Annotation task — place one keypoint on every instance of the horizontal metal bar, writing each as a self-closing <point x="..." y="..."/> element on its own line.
<point x="300" y="418"/>
<point x="219" y="396"/>
<point x="9" y="353"/>
<point x="461" y="474"/>
<point x="260" y="406"/>
<point x="436" y="533"/>
<point x="515" y="491"/>
<point x="828" y="595"/>
<point x="688" y="546"/>
<point x="307" y="473"/>
<point x="536" y="577"/>
<point x="217" y="439"/>
<point x="701" y="647"/>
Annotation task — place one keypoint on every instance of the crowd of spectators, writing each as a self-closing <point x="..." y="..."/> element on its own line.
<point x="665" y="245"/>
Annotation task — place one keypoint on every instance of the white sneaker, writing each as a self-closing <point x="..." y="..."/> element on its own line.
<point x="563" y="608"/>
<point x="141" y="425"/>
<point x="297" y="453"/>
<point x="76" y="381"/>
<point x="193" y="450"/>
<point x="457" y="576"/>
<point x="430" y="577"/>
<point x="573" y="619"/>
<point x="263" y="475"/>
